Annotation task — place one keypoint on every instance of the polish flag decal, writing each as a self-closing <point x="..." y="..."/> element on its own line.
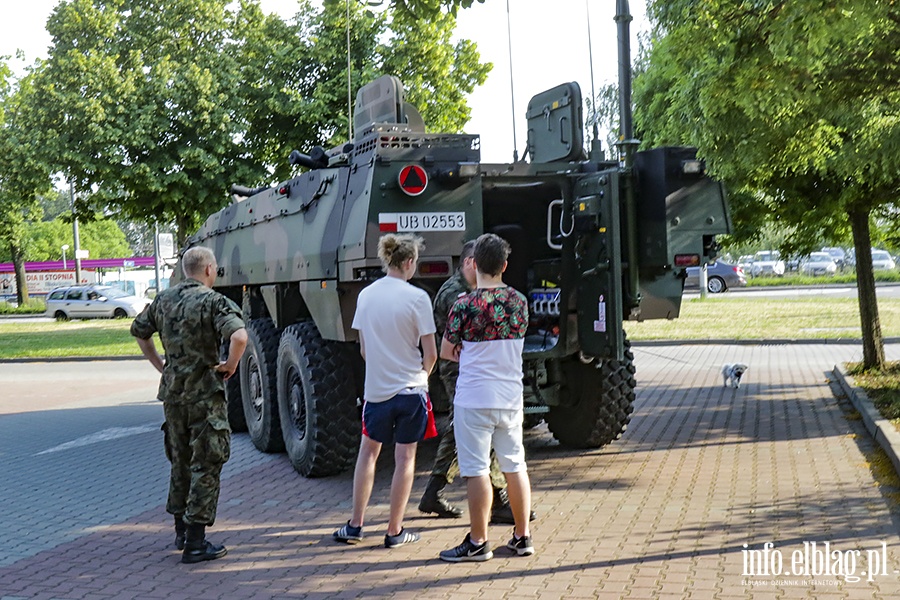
<point x="387" y="222"/>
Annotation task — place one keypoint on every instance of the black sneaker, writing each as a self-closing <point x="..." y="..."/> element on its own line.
<point x="401" y="539"/>
<point x="521" y="545"/>
<point x="468" y="552"/>
<point x="348" y="534"/>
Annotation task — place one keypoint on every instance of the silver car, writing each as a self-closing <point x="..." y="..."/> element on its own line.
<point x="719" y="277"/>
<point x="818" y="263"/>
<point x="767" y="262"/>
<point x="92" y="301"/>
<point x="882" y="261"/>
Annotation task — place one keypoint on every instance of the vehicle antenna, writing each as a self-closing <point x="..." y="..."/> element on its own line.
<point x="587" y="10"/>
<point x="349" y="82"/>
<point x="512" y="87"/>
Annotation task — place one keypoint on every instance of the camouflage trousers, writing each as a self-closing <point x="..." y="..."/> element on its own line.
<point x="197" y="443"/>
<point x="446" y="464"/>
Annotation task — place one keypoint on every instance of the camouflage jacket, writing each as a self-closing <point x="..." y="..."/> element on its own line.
<point x="452" y="289"/>
<point x="192" y="321"/>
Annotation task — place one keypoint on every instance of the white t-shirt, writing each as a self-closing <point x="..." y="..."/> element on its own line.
<point x="490" y="324"/>
<point x="490" y="375"/>
<point x="392" y="315"/>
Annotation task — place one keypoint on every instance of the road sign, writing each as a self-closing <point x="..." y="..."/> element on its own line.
<point x="413" y="180"/>
<point x="166" y="245"/>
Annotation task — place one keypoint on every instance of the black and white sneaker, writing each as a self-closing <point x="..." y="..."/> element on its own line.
<point x="468" y="552"/>
<point x="401" y="539"/>
<point x="348" y="534"/>
<point x="521" y="545"/>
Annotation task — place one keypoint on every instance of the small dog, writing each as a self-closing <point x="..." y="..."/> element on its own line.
<point x="731" y="374"/>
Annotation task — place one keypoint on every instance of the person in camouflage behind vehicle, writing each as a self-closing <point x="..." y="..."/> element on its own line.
<point x="192" y="320"/>
<point x="446" y="467"/>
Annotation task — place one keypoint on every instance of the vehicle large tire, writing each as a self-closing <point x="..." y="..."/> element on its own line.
<point x="599" y="400"/>
<point x="317" y="401"/>
<point x="258" y="388"/>
<point x="236" y="418"/>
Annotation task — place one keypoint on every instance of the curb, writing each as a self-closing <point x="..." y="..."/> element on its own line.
<point x="881" y="430"/>
<point x="59" y="359"/>
<point x="757" y="342"/>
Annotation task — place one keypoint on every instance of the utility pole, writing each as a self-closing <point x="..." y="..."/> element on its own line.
<point x="75" y="234"/>
<point x="156" y="254"/>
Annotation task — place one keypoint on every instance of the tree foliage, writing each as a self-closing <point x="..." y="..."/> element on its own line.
<point x="23" y="173"/>
<point x="43" y="240"/>
<point x="796" y="105"/>
<point x="154" y="107"/>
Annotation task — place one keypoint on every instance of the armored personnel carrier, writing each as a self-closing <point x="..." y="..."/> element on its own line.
<point x="595" y="241"/>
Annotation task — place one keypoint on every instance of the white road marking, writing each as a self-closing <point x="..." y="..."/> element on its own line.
<point x="112" y="433"/>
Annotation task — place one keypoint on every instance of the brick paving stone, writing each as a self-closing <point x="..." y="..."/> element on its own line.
<point x="663" y="512"/>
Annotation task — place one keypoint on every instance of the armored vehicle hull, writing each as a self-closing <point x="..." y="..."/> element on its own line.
<point x="594" y="242"/>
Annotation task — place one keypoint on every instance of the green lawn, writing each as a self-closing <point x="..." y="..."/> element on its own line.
<point x="883" y="387"/>
<point x="99" y="337"/>
<point x="766" y="318"/>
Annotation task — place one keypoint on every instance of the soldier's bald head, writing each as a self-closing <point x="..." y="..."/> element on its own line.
<point x="195" y="260"/>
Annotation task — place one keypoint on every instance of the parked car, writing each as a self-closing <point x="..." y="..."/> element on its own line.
<point x="882" y="261"/>
<point x="92" y="301"/>
<point x="719" y="277"/>
<point x="818" y="263"/>
<point x="837" y="255"/>
<point x="793" y="263"/>
<point x="767" y="262"/>
<point x="745" y="262"/>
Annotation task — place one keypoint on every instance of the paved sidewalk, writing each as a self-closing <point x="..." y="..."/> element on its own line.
<point x="663" y="513"/>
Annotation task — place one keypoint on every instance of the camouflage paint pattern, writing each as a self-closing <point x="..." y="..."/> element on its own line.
<point x="197" y="443"/>
<point x="192" y="320"/>
<point x="320" y="230"/>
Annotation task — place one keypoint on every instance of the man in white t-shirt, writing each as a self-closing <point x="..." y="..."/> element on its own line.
<point x="393" y="319"/>
<point x="486" y="334"/>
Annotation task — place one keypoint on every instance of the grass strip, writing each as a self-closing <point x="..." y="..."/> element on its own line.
<point x="766" y="318"/>
<point x="99" y="337"/>
<point x="882" y="387"/>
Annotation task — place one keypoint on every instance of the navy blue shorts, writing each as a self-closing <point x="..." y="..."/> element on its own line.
<point x="401" y="419"/>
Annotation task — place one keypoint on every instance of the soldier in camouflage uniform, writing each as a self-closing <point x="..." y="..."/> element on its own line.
<point x="445" y="467"/>
<point x="191" y="320"/>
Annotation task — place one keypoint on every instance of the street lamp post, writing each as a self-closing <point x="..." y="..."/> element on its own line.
<point x="64" y="248"/>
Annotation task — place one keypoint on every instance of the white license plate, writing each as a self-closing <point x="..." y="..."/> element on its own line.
<point x="432" y="221"/>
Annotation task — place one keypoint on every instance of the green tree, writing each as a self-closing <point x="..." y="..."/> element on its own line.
<point x="102" y="238"/>
<point x="23" y="175"/>
<point x="795" y="105"/>
<point x="437" y="73"/>
<point x="152" y="108"/>
<point x="148" y="91"/>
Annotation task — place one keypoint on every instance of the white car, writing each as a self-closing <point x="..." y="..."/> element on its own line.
<point x="882" y="261"/>
<point x="818" y="263"/>
<point x="767" y="262"/>
<point x="92" y="301"/>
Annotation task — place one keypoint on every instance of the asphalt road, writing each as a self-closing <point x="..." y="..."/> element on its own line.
<point x="832" y="291"/>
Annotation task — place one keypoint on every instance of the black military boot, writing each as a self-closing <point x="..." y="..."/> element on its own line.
<point x="433" y="500"/>
<point x="197" y="549"/>
<point x="501" y="511"/>
<point x="179" y="532"/>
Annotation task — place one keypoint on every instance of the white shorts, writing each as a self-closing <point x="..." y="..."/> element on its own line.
<point x="477" y="429"/>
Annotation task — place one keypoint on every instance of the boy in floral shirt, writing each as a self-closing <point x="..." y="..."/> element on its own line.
<point x="486" y="333"/>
